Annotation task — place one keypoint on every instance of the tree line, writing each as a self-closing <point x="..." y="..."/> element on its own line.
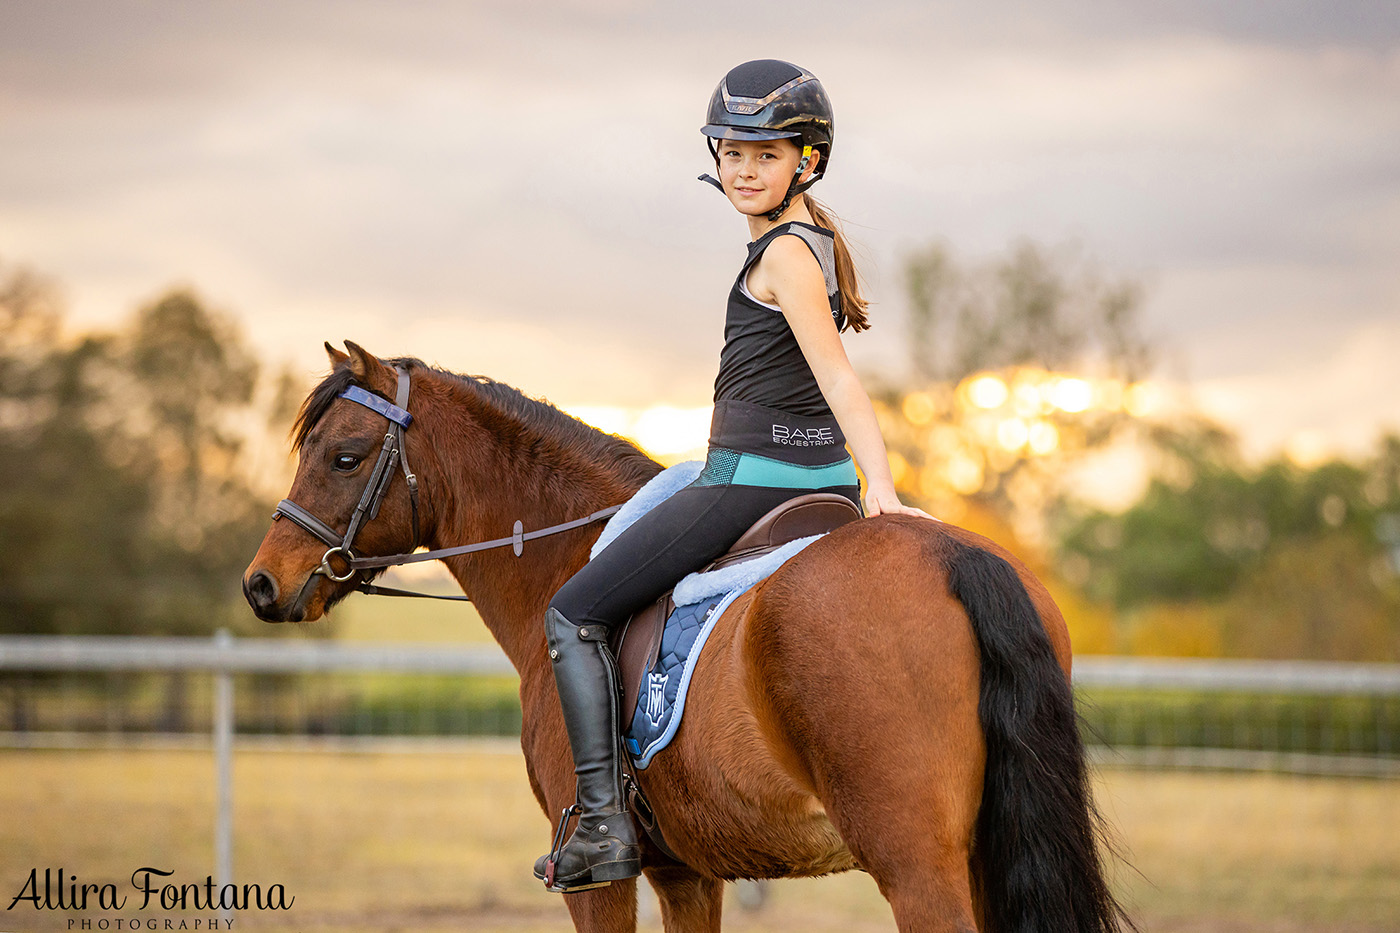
<point x="1218" y="557"/>
<point x="129" y="504"/>
<point x="126" y="507"/>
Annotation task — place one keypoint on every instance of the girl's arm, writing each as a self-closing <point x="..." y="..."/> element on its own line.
<point x="789" y="276"/>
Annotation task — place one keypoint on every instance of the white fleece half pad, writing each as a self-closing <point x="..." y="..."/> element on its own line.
<point x="657" y="490"/>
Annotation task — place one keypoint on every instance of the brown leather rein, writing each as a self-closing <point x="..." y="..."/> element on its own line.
<point x="394" y="453"/>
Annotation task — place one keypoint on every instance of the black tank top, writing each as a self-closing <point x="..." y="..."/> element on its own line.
<point x="761" y="361"/>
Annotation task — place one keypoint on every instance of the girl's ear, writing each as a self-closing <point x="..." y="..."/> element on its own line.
<point x="812" y="162"/>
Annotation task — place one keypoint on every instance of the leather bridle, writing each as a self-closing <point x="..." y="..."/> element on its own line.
<point x="393" y="453"/>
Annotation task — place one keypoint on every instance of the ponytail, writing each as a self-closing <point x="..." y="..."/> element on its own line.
<point x="852" y="304"/>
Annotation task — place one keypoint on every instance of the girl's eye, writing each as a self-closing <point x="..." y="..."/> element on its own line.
<point x="346" y="463"/>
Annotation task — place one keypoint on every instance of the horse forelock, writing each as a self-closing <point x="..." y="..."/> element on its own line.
<point x="314" y="408"/>
<point x="510" y="411"/>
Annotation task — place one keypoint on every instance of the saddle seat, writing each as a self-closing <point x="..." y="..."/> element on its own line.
<point x="636" y="644"/>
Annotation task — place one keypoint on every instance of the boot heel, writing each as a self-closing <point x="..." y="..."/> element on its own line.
<point x="618" y="870"/>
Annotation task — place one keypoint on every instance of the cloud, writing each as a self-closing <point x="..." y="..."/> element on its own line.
<point x="1352" y="392"/>
<point x="472" y="174"/>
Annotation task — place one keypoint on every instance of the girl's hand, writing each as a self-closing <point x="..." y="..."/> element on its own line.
<point x="886" y="502"/>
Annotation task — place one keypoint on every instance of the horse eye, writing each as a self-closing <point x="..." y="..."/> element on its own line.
<point x="346" y="463"/>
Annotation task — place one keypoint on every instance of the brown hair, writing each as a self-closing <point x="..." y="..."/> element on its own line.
<point x="853" y="305"/>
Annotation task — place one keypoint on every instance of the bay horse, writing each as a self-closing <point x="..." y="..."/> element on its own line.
<point x="895" y="698"/>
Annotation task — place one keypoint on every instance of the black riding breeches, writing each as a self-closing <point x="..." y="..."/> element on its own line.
<point x="741" y="482"/>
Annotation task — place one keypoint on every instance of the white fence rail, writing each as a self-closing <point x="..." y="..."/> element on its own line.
<point x="242" y="655"/>
<point x="1327" y="678"/>
<point x="286" y="656"/>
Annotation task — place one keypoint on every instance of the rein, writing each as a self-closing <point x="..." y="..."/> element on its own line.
<point x="394" y="453"/>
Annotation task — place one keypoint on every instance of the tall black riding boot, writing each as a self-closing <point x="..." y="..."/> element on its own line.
<point x="603" y="847"/>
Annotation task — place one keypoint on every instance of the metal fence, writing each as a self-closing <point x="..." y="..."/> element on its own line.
<point x="294" y="693"/>
<point x="1298" y="717"/>
<point x="223" y="657"/>
<point x="1301" y="717"/>
<point x="1344" y="718"/>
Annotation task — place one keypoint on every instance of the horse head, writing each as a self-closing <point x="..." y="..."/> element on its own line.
<point x="351" y="494"/>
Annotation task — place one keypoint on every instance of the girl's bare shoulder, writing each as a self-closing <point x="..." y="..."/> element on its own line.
<point x="787" y="259"/>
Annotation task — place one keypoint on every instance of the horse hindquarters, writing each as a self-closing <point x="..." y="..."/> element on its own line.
<point x="864" y="681"/>
<point x="1036" y="856"/>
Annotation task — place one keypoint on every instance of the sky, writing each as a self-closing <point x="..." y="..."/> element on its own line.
<point x="510" y="188"/>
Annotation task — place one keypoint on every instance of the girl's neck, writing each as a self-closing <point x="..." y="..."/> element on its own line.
<point x="759" y="224"/>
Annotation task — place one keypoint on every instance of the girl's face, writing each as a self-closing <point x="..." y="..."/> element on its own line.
<point x="756" y="173"/>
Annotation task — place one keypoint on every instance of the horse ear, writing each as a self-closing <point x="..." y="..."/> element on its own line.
<point x="369" y="371"/>
<point x="338" y="359"/>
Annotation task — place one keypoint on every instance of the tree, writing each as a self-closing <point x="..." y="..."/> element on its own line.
<point x="1034" y="307"/>
<point x="1022" y="365"/>
<point x="70" y="522"/>
<point x="124" y="507"/>
<point x="188" y="396"/>
<point x="1286" y="561"/>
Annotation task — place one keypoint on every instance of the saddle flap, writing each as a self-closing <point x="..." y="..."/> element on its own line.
<point x="636" y="645"/>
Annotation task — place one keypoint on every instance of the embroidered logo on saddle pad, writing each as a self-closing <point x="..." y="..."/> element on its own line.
<point x="659" y="707"/>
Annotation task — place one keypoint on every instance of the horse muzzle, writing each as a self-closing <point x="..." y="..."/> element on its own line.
<point x="261" y="590"/>
<point x="264" y="595"/>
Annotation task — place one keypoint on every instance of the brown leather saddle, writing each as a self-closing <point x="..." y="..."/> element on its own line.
<point x="637" y="643"/>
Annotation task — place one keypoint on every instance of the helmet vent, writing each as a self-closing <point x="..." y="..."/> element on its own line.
<point x="760" y="78"/>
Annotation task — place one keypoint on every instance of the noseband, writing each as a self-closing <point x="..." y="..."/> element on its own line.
<point x="394" y="452"/>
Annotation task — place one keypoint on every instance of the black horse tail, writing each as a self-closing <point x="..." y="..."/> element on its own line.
<point x="1036" y="858"/>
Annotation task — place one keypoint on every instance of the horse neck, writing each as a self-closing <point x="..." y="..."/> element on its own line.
<point x="490" y="470"/>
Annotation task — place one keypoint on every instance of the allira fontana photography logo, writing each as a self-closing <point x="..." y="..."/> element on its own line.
<point x="56" y="889"/>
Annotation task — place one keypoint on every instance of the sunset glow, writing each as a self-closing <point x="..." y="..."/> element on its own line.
<point x="664" y="431"/>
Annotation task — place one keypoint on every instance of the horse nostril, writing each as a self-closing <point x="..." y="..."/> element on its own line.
<point x="260" y="590"/>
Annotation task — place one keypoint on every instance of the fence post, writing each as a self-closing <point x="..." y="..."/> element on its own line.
<point x="223" y="764"/>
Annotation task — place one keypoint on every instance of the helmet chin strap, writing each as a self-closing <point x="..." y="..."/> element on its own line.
<point x="795" y="187"/>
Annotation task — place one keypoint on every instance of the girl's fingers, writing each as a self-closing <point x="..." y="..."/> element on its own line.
<point x="874" y="507"/>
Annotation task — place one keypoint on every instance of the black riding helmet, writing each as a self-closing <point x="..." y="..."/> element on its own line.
<point x="770" y="99"/>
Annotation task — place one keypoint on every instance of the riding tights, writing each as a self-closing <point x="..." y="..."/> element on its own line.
<point x="758" y="458"/>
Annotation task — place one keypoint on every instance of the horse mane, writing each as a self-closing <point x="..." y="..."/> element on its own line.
<point x="513" y="410"/>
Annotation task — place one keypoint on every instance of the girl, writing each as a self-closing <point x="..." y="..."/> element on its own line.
<point x="787" y="404"/>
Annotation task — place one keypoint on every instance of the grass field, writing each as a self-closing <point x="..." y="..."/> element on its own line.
<point x="443" y="840"/>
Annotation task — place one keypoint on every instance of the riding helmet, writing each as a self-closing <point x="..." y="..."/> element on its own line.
<point x="771" y="99"/>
